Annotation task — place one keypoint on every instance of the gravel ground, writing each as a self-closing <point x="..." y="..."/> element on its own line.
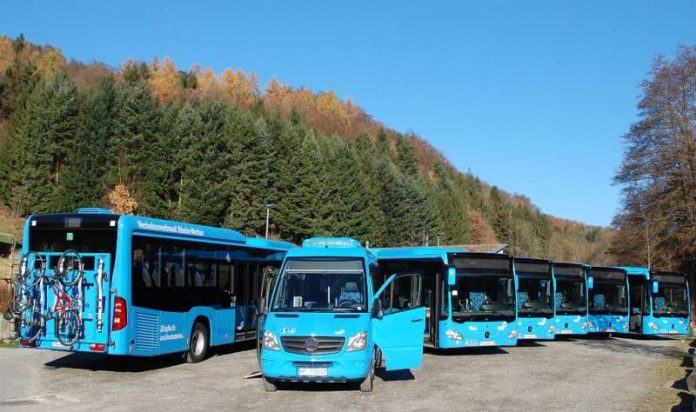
<point x="575" y="374"/>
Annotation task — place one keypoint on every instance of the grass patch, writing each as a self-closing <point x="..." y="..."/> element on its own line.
<point x="668" y="385"/>
<point x="9" y="344"/>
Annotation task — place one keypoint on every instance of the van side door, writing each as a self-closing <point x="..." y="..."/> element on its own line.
<point x="398" y="322"/>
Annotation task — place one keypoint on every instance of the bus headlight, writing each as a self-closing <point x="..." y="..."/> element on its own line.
<point x="512" y="335"/>
<point x="653" y="325"/>
<point x="270" y="341"/>
<point x="357" y="342"/>
<point x="454" y="335"/>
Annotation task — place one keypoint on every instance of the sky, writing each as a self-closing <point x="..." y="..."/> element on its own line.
<point x="532" y="96"/>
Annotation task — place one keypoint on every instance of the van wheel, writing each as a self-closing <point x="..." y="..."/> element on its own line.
<point x="198" y="344"/>
<point x="268" y="385"/>
<point x="366" y="385"/>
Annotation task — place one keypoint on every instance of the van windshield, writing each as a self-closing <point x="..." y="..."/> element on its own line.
<point x="483" y="297"/>
<point x="321" y="286"/>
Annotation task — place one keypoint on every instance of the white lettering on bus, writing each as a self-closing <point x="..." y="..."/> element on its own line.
<point x="161" y="227"/>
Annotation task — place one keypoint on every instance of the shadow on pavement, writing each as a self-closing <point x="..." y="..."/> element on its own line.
<point x="493" y="350"/>
<point x="101" y="362"/>
<point x="629" y="346"/>
<point x="530" y="344"/>
<point x="686" y="403"/>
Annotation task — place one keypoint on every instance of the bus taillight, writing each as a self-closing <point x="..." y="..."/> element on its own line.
<point x="97" y="347"/>
<point x="120" y="314"/>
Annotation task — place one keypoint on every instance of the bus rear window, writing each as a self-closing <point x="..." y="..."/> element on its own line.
<point x="81" y="240"/>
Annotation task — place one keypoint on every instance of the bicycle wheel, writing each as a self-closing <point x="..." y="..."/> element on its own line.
<point x="33" y="266"/>
<point x="30" y="321"/>
<point x="67" y="327"/>
<point x="70" y="267"/>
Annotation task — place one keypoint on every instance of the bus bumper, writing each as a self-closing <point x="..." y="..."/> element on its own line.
<point x="338" y="367"/>
<point x="571" y="324"/>
<point x="536" y="329"/>
<point x="665" y="326"/>
<point x="477" y="334"/>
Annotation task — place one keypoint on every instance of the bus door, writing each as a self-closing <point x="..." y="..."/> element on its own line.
<point x="77" y="302"/>
<point x="637" y="289"/>
<point x="398" y="321"/>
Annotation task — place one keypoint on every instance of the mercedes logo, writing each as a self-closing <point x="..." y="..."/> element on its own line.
<point x="311" y="344"/>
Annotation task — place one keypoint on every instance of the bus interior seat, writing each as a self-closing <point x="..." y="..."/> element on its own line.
<point x="522" y="298"/>
<point x="659" y="303"/>
<point x="477" y="299"/>
<point x="350" y="292"/>
<point x="599" y="301"/>
<point x="558" y="299"/>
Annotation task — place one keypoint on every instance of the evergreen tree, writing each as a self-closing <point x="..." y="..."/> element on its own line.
<point x="48" y="139"/>
<point x="407" y="157"/>
<point x="250" y="171"/>
<point x="136" y="131"/>
<point x="83" y="182"/>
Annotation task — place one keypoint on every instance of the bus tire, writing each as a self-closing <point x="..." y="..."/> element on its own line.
<point x="268" y="385"/>
<point x="198" y="344"/>
<point x="367" y="383"/>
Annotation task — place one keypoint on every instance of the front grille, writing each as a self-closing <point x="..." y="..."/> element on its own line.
<point x="324" y="344"/>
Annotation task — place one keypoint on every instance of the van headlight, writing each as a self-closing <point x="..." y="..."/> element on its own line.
<point x="454" y="335"/>
<point x="357" y="342"/>
<point x="270" y="341"/>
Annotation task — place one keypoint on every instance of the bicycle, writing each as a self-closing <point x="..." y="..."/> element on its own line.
<point x="67" y="310"/>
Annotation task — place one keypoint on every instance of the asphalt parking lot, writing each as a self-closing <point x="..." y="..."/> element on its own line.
<point x="577" y="374"/>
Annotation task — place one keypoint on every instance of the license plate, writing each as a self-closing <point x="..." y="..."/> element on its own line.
<point x="59" y="345"/>
<point x="673" y="332"/>
<point x="529" y="336"/>
<point x="564" y="332"/>
<point x="312" y="372"/>
<point x="487" y="343"/>
<point x="611" y="330"/>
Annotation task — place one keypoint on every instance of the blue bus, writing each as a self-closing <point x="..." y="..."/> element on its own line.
<point x="571" y="281"/>
<point x="94" y="281"/>
<point x="659" y="303"/>
<point x="480" y="301"/>
<point x="328" y="317"/>
<point x="608" y="300"/>
<point x="432" y="264"/>
<point x="535" y="299"/>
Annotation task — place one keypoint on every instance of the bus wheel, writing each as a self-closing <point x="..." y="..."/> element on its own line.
<point x="268" y="385"/>
<point x="198" y="346"/>
<point x="366" y="385"/>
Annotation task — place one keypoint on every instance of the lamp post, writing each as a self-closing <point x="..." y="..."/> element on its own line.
<point x="269" y="206"/>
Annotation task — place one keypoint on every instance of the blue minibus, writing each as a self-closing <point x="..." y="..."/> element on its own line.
<point x="571" y="281"/>
<point x="535" y="299"/>
<point x="659" y="303"/>
<point x="328" y="317"/>
<point x="479" y="303"/>
<point x="95" y="281"/>
<point x="608" y="300"/>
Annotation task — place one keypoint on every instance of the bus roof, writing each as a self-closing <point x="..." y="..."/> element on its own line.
<point x="272" y="244"/>
<point x="418" y="252"/>
<point x="571" y="264"/>
<point x="635" y="271"/>
<point x="335" y="247"/>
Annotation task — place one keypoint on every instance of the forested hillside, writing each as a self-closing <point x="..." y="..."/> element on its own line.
<point x="210" y="148"/>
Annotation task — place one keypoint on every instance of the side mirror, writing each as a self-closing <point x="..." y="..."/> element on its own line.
<point x="452" y="276"/>
<point x="655" y="286"/>
<point x="377" y="308"/>
<point x="590" y="282"/>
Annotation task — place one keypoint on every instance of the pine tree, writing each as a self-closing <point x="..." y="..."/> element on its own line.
<point x="48" y="141"/>
<point x="83" y="182"/>
<point x="250" y="171"/>
<point x="407" y="157"/>
<point x="136" y="131"/>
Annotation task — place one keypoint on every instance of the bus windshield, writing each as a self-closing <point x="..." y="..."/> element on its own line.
<point x="321" y="286"/>
<point x="609" y="298"/>
<point x="534" y="297"/>
<point x="570" y="295"/>
<point x="671" y="300"/>
<point x="483" y="297"/>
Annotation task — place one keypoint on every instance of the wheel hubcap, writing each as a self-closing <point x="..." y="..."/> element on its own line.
<point x="198" y="343"/>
